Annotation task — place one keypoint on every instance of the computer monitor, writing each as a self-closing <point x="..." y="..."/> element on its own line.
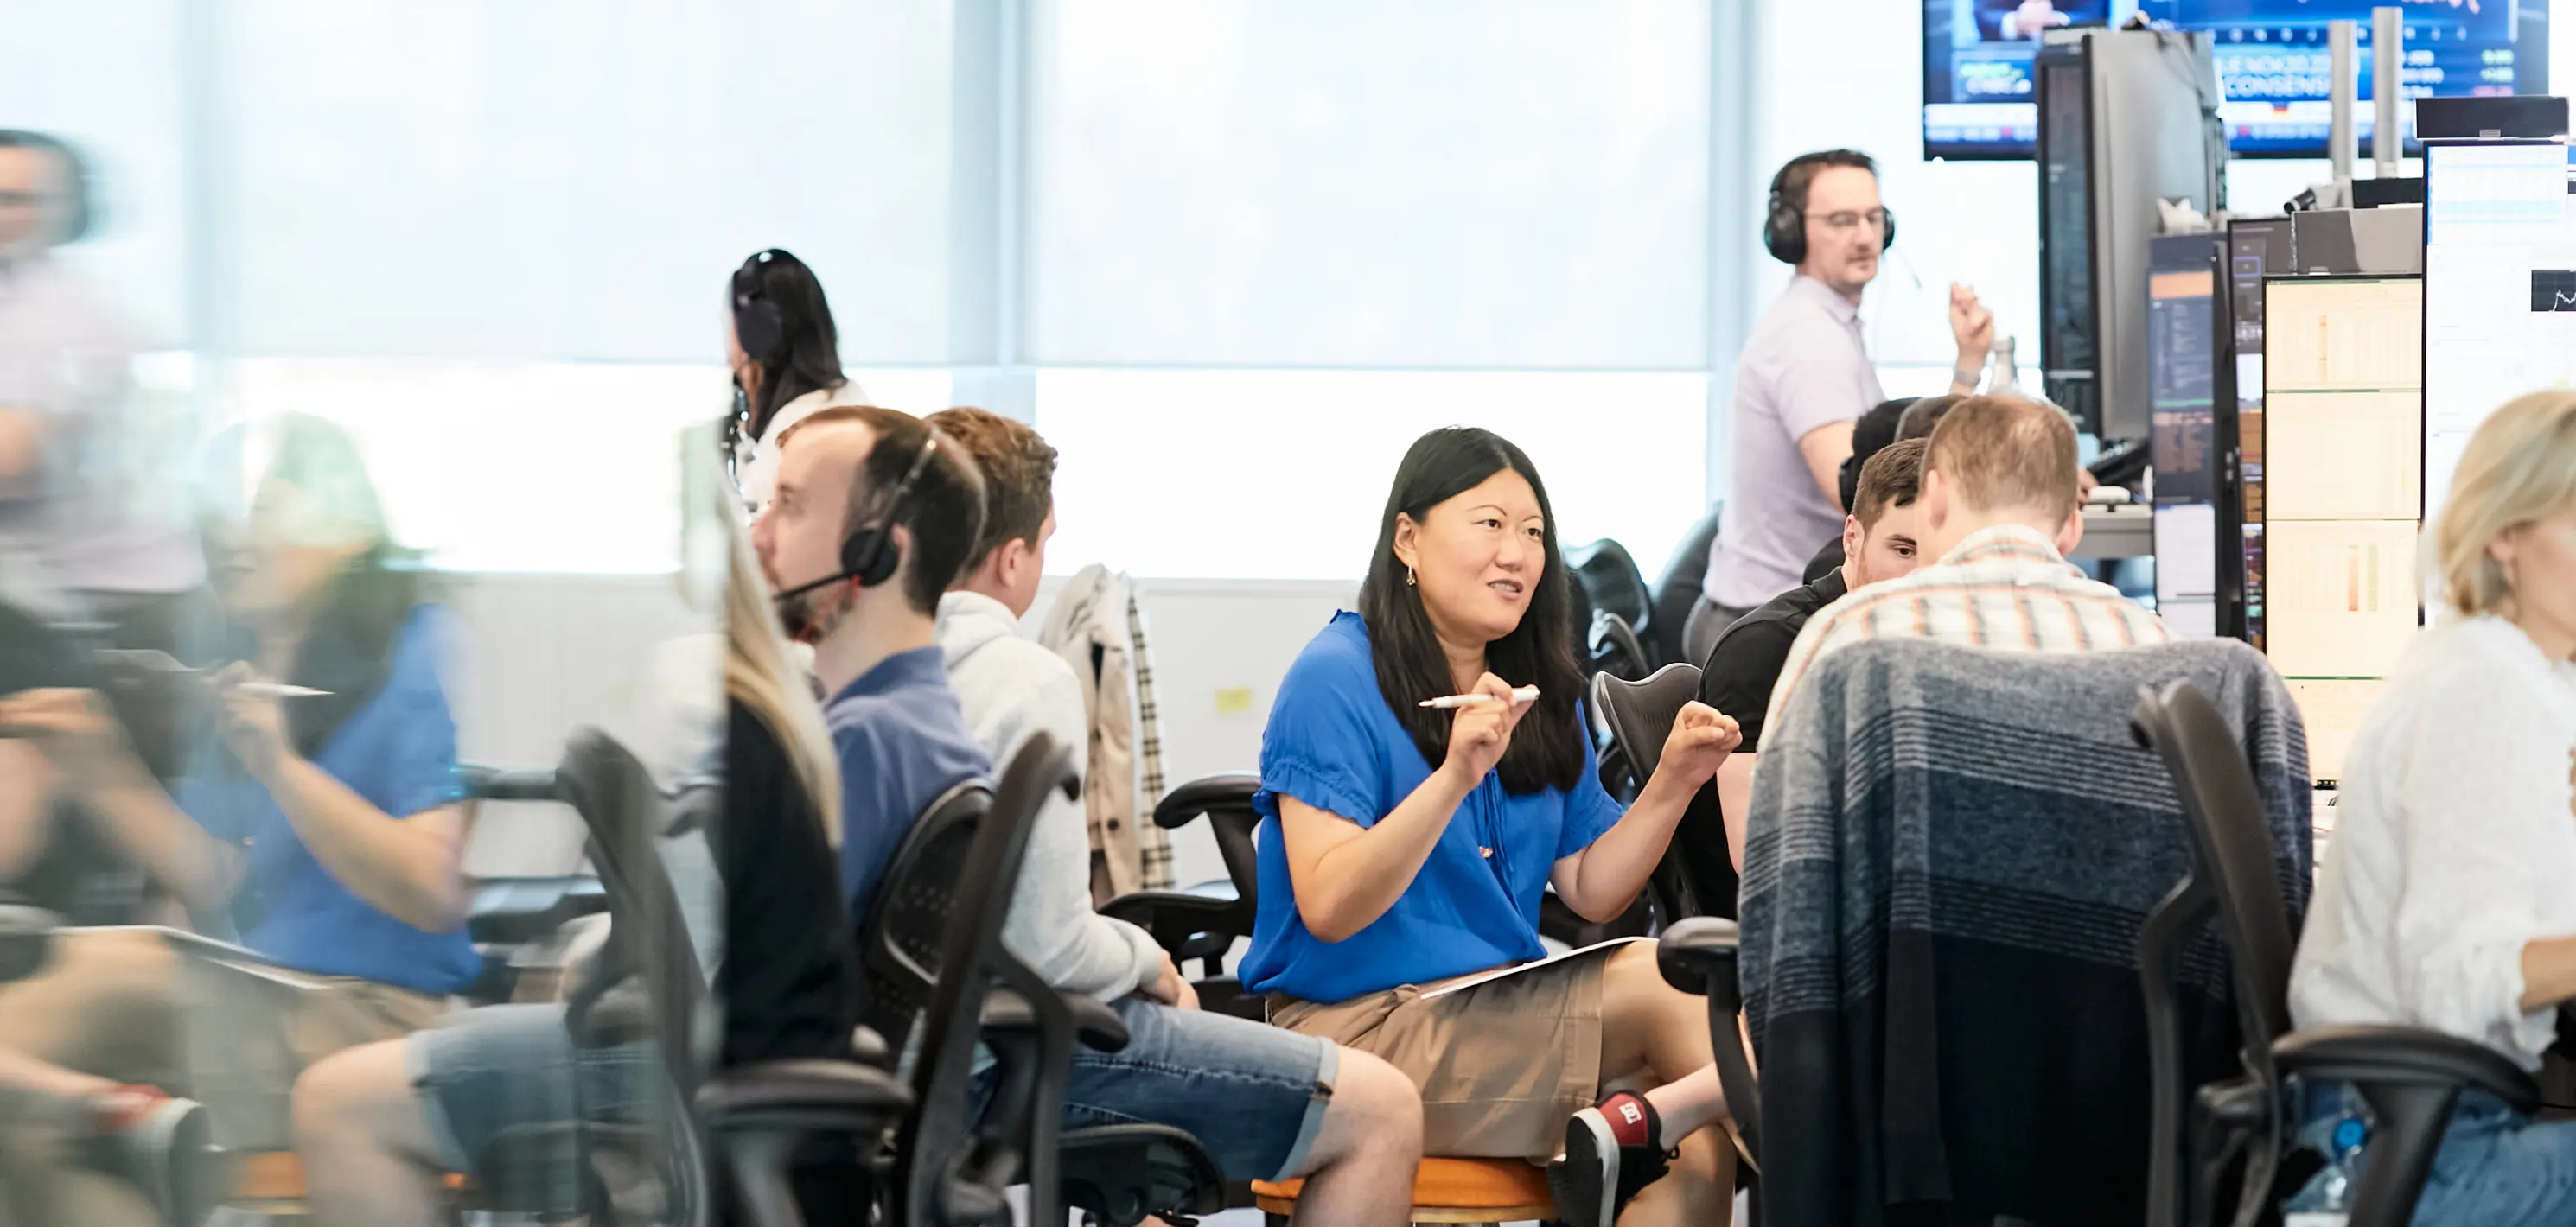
<point x="2256" y="248"/>
<point x="2499" y="288"/>
<point x="1980" y="93"/>
<point x="2342" y="370"/>
<point x="2184" y="314"/>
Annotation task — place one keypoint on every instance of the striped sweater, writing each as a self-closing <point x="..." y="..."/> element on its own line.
<point x="1948" y="858"/>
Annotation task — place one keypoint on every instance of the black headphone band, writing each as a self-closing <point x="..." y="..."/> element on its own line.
<point x="869" y="556"/>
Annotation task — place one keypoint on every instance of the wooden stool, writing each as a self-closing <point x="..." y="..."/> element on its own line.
<point x="1450" y="1191"/>
<point x="271" y="1182"/>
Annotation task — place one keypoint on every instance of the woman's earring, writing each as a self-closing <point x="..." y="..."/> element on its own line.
<point x="1408" y="577"/>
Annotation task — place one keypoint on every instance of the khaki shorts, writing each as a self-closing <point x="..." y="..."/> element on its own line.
<point x="1500" y="1066"/>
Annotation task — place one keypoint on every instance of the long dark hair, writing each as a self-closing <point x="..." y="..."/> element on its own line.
<point x="783" y="323"/>
<point x="1547" y="747"/>
<point x="358" y="615"/>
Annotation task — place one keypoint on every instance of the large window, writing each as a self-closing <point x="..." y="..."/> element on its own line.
<point x="1451" y="183"/>
<point x="1282" y="474"/>
<point x="1231" y="256"/>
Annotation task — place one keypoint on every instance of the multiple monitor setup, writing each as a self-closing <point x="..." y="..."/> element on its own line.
<point x="2306" y="383"/>
<point x="2315" y="379"/>
<point x="1982" y="92"/>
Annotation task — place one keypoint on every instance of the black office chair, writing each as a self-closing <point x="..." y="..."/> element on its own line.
<point x="1204" y="921"/>
<point x="1697" y="956"/>
<point x="1677" y="589"/>
<point x="1619" y="620"/>
<point x="934" y="959"/>
<point x="644" y="985"/>
<point x="1633" y="719"/>
<point x="2233" y="1131"/>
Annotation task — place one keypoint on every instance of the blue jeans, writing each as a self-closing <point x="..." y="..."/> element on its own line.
<point x="505" y="1067"/>
<point x="1252" y="1094"/>
<point x="2496" y="1167"/>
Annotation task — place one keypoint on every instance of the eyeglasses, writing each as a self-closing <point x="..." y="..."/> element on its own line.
<point x="1847" y="221"/>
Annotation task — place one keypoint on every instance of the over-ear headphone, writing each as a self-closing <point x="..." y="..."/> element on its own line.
<point x="758" y="325"/>
<point x="1784" y="228"/>
<point x="75" y="216"/>
<point x="870" y="555"/>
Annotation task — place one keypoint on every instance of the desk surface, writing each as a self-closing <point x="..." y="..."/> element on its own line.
<point x="2125" y="530"/>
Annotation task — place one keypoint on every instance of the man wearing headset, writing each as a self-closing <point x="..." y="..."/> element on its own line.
<point x="1802" y="380"/>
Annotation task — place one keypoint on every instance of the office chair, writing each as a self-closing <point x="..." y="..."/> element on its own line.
<point x="1204" y="921"/>
<point x="1677" y="590"/>
<point x="1612" y="579"/>
<point x="935" y="964"/>
<point x="644" y="985"/>
<point x="2233" y="1131"/>
<point x="1697" y="956"/>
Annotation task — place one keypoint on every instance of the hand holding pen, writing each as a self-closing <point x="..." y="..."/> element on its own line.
<point x="1482" y="728"/>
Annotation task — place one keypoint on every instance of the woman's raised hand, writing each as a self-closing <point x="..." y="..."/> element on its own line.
<point x="1479" y="734"/>
<point x="1701" y="739"/>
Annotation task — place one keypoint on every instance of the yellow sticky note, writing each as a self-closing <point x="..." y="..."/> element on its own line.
<point x="1234" y="700"/>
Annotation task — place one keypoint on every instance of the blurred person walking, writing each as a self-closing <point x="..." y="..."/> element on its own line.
<point x="80" y="540"/>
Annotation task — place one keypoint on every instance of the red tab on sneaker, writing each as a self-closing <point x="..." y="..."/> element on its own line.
<point x="1628" y="1122"/>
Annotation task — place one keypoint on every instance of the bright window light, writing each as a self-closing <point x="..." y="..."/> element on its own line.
<point x="1281" y="474"/>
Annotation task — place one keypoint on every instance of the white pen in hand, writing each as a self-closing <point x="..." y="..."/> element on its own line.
<point x="1525" y="694"/>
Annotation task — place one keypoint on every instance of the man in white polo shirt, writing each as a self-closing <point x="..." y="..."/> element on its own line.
<point x="1802" y="380"/>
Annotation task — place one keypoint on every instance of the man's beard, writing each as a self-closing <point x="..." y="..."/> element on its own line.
<point x="813" y="616"/>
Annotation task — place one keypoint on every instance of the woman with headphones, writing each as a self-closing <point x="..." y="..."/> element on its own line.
<point x="786" y="360"/>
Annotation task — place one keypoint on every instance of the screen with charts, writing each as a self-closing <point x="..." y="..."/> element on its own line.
<point x="2182" y="379"/>
<point x="2343" y="363"/>
<point x="1979" y="98"/>
<point x="2256" y="248"/>
<point x="2499" y="289"/>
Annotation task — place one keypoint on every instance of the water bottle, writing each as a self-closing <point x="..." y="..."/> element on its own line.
<point x="2326" y="1201"/>
<point x="2003" y="375"/>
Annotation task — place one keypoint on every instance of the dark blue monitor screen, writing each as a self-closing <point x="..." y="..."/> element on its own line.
<point x="1979" y="99"/>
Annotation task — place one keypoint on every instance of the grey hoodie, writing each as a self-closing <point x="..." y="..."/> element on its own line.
<point x="1012" y="687"/>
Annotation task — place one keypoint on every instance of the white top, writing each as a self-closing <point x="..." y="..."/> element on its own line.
<point x="756" y="460"/>
<point x="2455" y="839"/>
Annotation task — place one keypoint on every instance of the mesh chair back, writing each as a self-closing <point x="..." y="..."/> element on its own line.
<point x="649" y="943"/>
<point x="952" y="1164"/>
<point x="1636" y="718"/>
<point x="1612" y="580"/>
<point x="2230" y="850"/>
<point x="904" y="937"/>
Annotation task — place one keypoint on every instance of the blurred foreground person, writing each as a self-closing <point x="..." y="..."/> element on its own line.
<point x="317" y="823"/>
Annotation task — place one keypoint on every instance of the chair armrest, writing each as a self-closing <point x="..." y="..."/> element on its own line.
<point x="26" y="940"/>
<point x="1697" y="956"/>
<point x="869" y="1048"/>
<point x="1196" y="797"/>
<point x="802" y="1093"/>
<point x="1096" y="1025"/>
<point x="1146" y="908"/>
<point x="2388" y="1056"/>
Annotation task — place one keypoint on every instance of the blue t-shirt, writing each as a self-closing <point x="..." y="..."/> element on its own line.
<point x="1334" y="743"/>
<point x="398" y="751"/>
<point x="902" y="741"/>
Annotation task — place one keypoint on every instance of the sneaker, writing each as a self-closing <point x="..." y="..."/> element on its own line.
<point x="163" y="1146"/>
<point x="1610" y="1154"/>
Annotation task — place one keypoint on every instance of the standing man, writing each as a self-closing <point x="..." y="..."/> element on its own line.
<point x="1802" y="381"/>
<point x="79" y="536"/>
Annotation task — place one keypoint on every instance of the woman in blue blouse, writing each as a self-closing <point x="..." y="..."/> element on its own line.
<point x="324" y="831"/>
<point x="1404" y="846"/>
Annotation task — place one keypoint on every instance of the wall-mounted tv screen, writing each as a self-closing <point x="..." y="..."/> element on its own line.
<point x="1979" y="99"/>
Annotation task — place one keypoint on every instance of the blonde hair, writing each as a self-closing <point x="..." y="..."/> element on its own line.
<point x="2520" y="467"/>
<point x="759" y="674"/>
<point x="2002" y="452"/>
